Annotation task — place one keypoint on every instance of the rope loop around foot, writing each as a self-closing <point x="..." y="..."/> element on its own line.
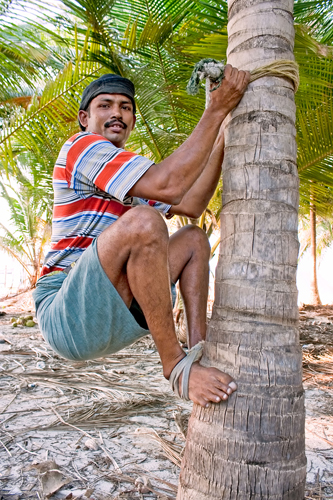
<point x="184" y="368"/>
<point x="214" y="71"/>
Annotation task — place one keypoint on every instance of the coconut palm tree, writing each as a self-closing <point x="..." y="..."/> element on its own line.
<point x="30" y="211"/>
<point x="252" y="447"/>
<point x="315" y="133"/>
<point x="156" y="43"/>
<point x="315" y="233"/>
<point x="315" y="298"/>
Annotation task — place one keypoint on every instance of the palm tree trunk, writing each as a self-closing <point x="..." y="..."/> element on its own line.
<point x="252" y="447"/>
<point x="314" y="298"/>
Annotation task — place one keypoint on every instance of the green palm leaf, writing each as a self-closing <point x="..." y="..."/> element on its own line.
<point x="317" y="16"/>
<point x="51" y="116"/>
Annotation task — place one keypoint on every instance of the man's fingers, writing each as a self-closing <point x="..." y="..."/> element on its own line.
<point x="240" y="76"/>
<point x="227" y="70"/>
<point x="244" y="77"/>
<point x="230" y="72"/>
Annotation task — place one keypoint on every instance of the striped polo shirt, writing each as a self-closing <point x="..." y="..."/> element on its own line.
<point x="91" y="180"/>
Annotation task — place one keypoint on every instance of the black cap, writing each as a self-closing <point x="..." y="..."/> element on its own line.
<point x="108" y="84"/>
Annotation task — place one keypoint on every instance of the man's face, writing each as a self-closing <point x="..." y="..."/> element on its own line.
<point x="110" y="115"/>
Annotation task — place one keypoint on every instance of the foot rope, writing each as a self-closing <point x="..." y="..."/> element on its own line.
<point x="184" y="368"/>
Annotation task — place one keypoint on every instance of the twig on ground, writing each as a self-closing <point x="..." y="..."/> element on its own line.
<point x="108" y="453"/>
<point x="27" y="451"/>
<point x="20" y="364"/>
<point x="9" y="453"/>
<point x="321" y="437"/>
<point x="10" y="402"/>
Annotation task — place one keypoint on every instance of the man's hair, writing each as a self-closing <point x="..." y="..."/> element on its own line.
<point x="107" y="84"/>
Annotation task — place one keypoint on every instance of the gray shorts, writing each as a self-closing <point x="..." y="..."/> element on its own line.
<point x="82" y="316"/>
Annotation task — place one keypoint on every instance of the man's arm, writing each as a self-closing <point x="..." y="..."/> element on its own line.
<point x="171" y="179"/>
<point x="198" y="196"/>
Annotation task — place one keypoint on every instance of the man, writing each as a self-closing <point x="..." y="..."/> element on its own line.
<point x="124" y="258"/>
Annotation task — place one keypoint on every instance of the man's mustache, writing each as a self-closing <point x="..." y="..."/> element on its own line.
<point x="112" y="122"/>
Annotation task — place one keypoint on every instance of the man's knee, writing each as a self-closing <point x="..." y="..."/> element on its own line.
<point x="197" y="238"/>
<point x="147" y="221"/>
<point x="143" y="226"/>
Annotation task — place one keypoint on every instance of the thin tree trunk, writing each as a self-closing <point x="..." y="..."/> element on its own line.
<point x="252" y="447"/>
<point x="315" y="298"/>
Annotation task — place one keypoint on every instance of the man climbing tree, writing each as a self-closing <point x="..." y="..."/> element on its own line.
<point x="124" y="259"/>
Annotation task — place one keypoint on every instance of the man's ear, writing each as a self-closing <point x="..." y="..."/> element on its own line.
<point x="83" y="118"/>
<point x="134" y="120"/>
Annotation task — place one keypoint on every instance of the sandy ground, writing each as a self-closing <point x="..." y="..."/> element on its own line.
<point x="111" y="428"/>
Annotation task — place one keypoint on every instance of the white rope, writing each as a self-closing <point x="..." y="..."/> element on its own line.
<point x="183" y="368"/>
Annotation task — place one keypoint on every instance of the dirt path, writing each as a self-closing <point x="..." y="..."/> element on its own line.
<point x="111" y="428"/>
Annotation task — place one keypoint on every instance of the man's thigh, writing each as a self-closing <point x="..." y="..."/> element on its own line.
<point x="129" y="235"/>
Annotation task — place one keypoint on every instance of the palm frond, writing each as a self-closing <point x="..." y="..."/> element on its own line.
<point x="317" y="16"/>
<point x="48" y="119"/>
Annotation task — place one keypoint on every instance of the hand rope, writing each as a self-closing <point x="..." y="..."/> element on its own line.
<point x="214" y="71"/>
<point x="184" y="368"/>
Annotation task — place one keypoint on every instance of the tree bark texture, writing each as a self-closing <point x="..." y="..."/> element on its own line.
<point x="252" y="447"/>
<point x="314" y="298"/>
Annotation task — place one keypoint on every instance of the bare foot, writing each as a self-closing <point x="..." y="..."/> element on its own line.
<point x="209" y="385"/>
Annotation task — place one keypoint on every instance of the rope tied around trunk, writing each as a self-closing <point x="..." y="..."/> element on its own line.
<point x="214" y="71"/>
<point x="184" y="368"/>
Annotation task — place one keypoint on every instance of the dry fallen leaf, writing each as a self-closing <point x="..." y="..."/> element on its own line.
<point x="142" y="484"/>
<point x="51" y="477"/>
<point x="88" y="493"/>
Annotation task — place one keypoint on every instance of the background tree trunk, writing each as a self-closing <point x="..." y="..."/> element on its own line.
<point x="252" y="447"/>
<point x="314" y="298"/>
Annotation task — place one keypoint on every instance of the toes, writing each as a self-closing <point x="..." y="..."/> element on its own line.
<point x="222" y="377"/>
<point x="210" y="385"/>
<point x="226" y="383"/>
<point x="232" y="386"/>
<point x="218" y="388"/>
<point x="217" y="396"/>
<point x="202" y="402"/>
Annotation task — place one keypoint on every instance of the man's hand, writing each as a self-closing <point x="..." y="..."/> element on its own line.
<point x="231" y="90"/>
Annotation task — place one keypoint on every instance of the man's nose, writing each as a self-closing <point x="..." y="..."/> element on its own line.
<point x="116" y="112"/>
